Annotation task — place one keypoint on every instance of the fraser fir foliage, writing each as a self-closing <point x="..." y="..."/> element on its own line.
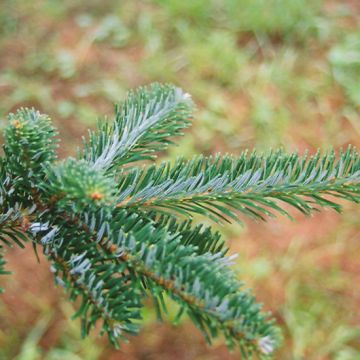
<point x="116" y="233"/>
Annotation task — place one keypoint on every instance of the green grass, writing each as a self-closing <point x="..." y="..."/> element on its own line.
<point x="283" y="18"/>
<point x="264" y="73"/>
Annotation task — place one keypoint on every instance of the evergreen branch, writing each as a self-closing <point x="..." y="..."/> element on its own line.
<point x="14" y="218"/>
<point x="202" y="238"/>
<point x="106" y="288"/>
<point x="114" y="235"/>
<point x="107" y="292"/>
<point x="204" y="285"/>
<point x="207" y="288"/>
<point x="252" y="184"/>
<point x="30" y="146"/>
<point x="143" y="125"/>
<point x="74" y="183"/>
<point x="13" y="223"/>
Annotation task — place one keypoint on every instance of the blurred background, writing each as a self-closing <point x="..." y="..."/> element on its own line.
<point x="264" y="73"/>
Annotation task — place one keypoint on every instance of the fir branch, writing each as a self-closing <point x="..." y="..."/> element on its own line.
<point x="14" y="217"/>
<point x="204" y="285"/>
<point x="206" y="288"/>
<point x="143" y="125"/>
<point x="114" y="235"/>
<point x="13" y="224"/>
<point x="74" y="183"/>
<point x="201" y="237"/>
<point x="253" y="184"/>
<point x="107" y="292"/>
<point x="30" y="145"/>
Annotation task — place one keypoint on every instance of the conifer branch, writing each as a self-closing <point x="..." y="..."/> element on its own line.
<point x="112" y="233"/>
<point x="206" y="289"/>
<point x="107" y="291"/>
<point x="13" y="224"/>
<point x="204" y="285"/>
<point x="143" y="125"/>
<point x="202" y="238"/>
<point x="253" y="184"/>
<point x="207" y="276"/>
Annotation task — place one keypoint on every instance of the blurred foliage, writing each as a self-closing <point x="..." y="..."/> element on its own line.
<point x="345" y="60"/>
<point x="264" y="73"/>
<point x="263" y="17"/>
